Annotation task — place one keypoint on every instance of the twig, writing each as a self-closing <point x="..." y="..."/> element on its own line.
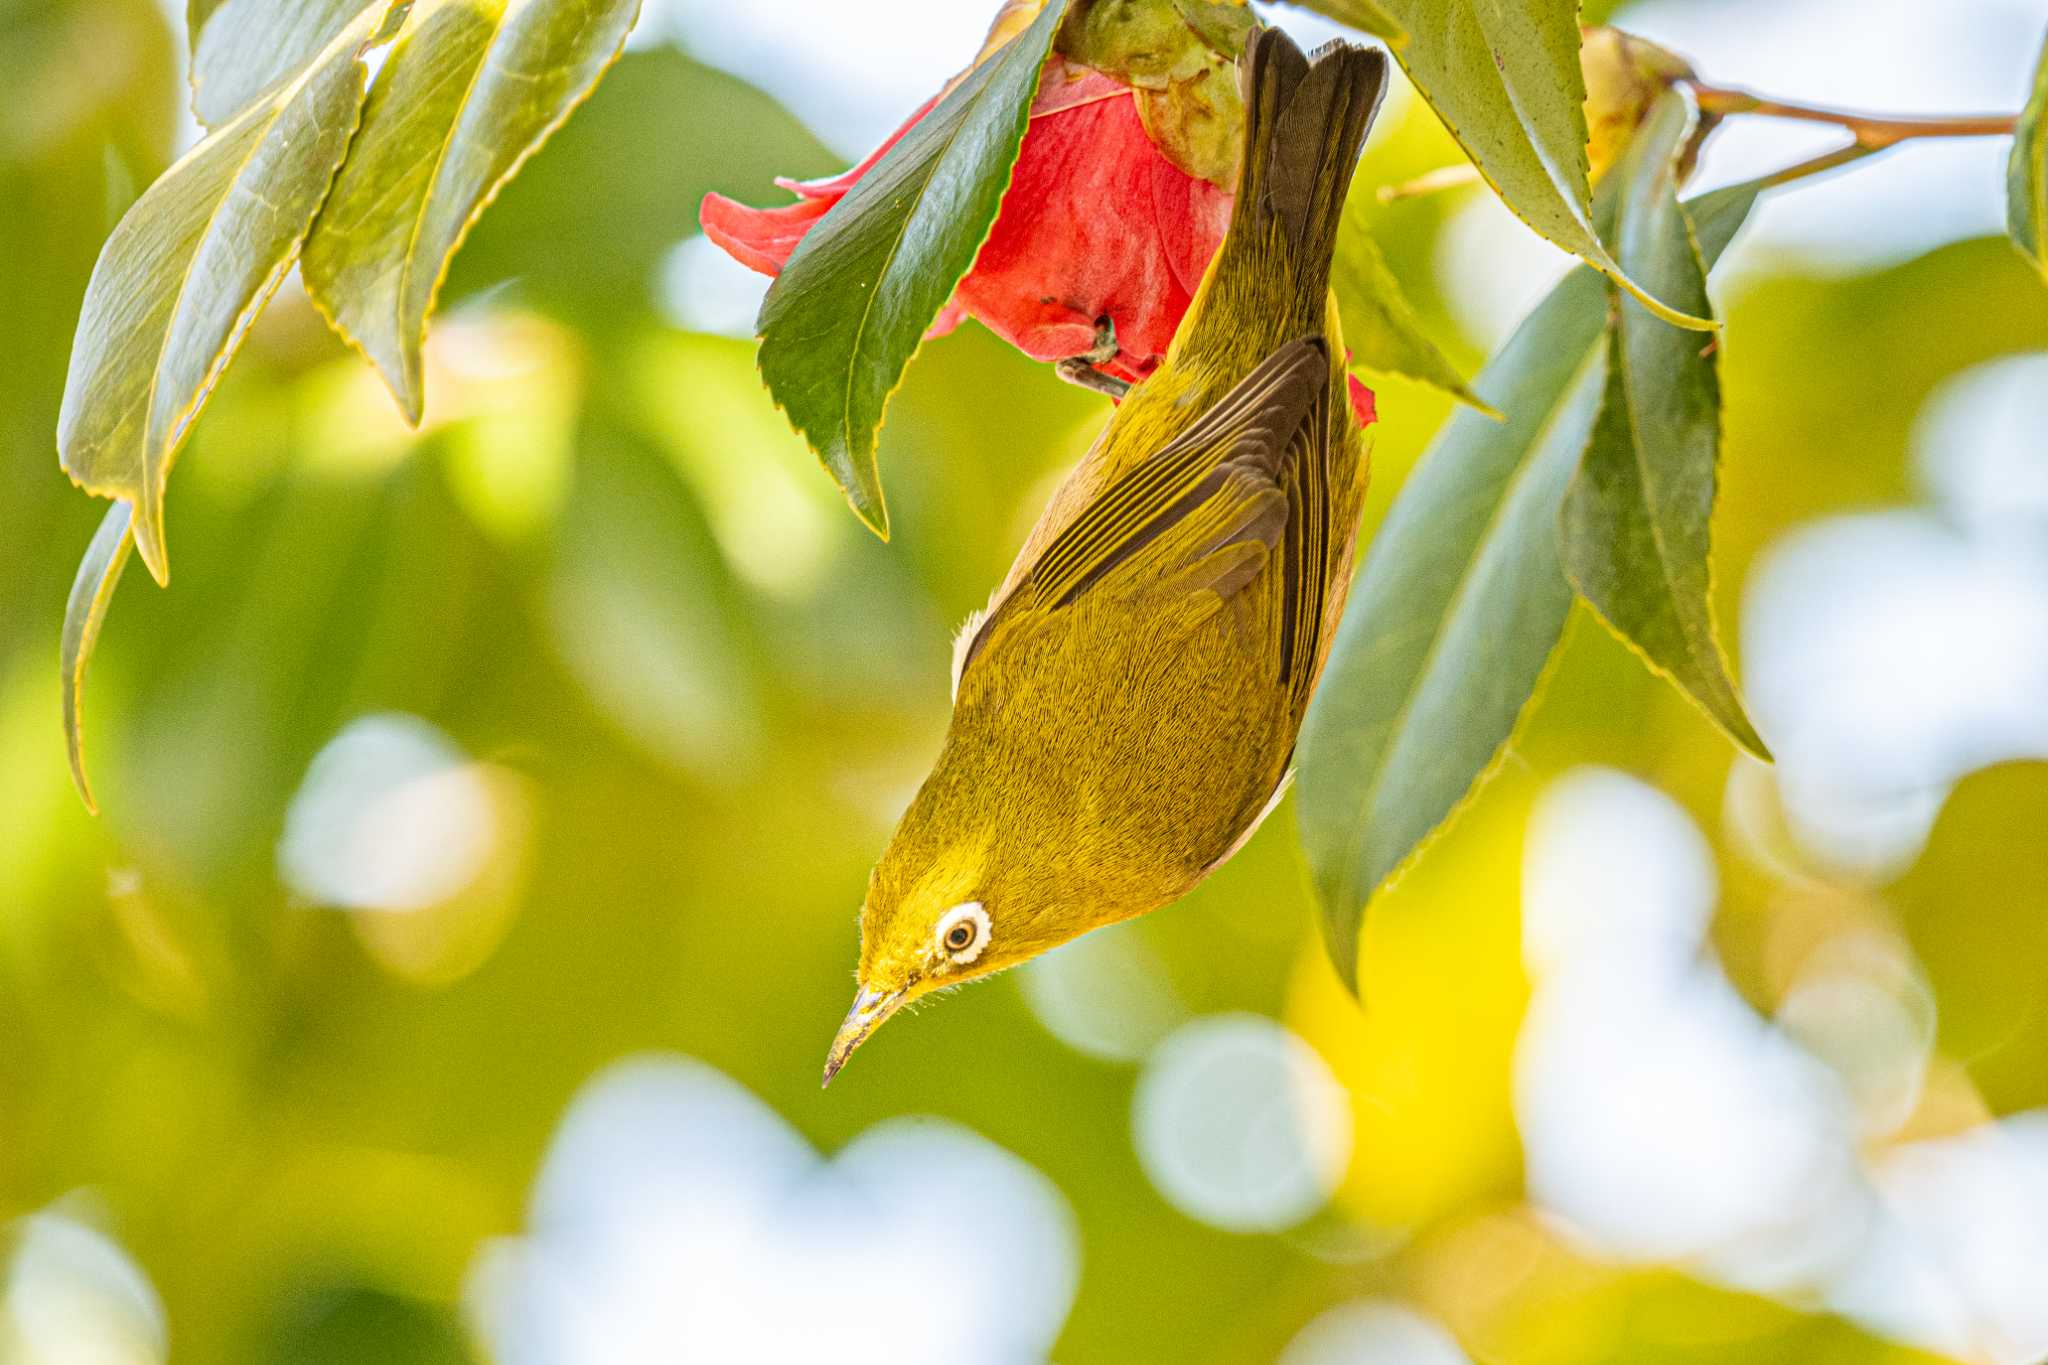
<point x="1430" y="182"/>
<point x="1826" y="161"/>
<point x="1873" y="132"/>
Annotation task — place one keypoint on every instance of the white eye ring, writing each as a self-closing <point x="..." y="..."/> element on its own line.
<point x="961" y="948"/>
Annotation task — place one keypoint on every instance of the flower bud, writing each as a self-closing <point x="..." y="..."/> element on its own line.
<point x="1624" y="76"/>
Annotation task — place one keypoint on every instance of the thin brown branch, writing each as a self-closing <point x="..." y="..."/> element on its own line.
<point x="1826" y="161"/>
<point x="1872" y="132"/>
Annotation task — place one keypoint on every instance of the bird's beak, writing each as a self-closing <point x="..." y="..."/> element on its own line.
<point x="870" y="1008"/>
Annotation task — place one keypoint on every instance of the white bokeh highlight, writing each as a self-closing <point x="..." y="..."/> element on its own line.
<point x="1239" y="1124"/>
<point x="678" y="1219"/>
<point x="1978" y="446"/>
<point x="1888" y="654"/>
<point x="1665" y="1122"/>
<point x="702" y="289"/>
<point x="1106" y="994"/>
<point x="391" y="816"/>
<point x="1373" y="1332"/>
<point x="74" y="1297"/>
<point x="1957" y="1258"/>
<point x="1659" y="1114"/>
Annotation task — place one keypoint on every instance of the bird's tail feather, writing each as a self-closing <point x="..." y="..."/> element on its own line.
<point x="1305" y="120"/>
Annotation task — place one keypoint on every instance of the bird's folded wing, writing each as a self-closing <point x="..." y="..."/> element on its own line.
<point x="1250" y="472"/>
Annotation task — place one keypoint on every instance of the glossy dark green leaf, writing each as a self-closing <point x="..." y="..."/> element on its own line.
<point x="1459" y="606"/>
<point x="1367" y="16"/>
<point x="1636" y="526"/>
<point x="240" y="48"/>
<point x="468" y="92"/>
<point x="99" y="573"/>
<point x="849" y="309"/>
<point x="187" y="269"/>
<point x="2026" y="185"/>
<point x="1453" y="617"/>
<point x="1504" y="77"/>
<point x="1380" y="326"/>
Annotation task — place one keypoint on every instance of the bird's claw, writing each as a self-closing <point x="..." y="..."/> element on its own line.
<point x="1105" y="342"/>
<point x="1076" y="370"/>
<point x="1080" y="369"/>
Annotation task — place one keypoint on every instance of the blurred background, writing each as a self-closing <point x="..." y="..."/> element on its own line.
<point x="487" y="811"/>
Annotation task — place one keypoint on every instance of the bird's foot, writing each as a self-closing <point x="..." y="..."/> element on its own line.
<point x="1080" y="370"/>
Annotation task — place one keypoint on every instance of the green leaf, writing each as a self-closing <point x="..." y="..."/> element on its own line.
<point x="99" y="573"/>
<point x="2026" y="185"/>
<point x="1453" y="617"/>
<point x="240" y="48"/>
<point x="469" y="90"/>
<point x="1364" y="15"/>
<point x="1718" y="215"/>
<point x="1636" y="524"/>
<point x="1460" y="603"/>
<point x="185" y="272"/>
<point x="1380" y="326"/>
<point x="1504" y="77"/>
<point x="842" y="320"/>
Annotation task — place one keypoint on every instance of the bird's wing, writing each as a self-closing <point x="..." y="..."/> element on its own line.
<point x="1246" y="483"/>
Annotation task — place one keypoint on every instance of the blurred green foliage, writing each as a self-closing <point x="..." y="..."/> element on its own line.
<point x="608" y="570"/>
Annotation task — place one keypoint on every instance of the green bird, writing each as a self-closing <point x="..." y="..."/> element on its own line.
<point x="1125" y="711"/>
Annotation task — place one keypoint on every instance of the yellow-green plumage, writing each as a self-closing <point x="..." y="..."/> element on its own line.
<point x="1127" y="709"/>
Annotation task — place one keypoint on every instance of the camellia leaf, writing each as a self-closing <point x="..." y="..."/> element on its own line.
<point x="2026" y="186"/>
<point x="1453" y="617"/>
<point x="1504" y="77"/>
<point x="847" y="312"/>
<point x="1380" y="326"/>
<point x="1367" y="16"/>
<point x="469" y="90"/>
<point x="186" y="270"/>
<point x="99" y="573"/>
<point x="1460" y="604"/>
<point x="240" y="48"/>
<point x="1636" y="523"/>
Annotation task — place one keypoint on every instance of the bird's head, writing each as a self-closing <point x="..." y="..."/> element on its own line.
<point x="941" y="929"/>
<point x="941" y="912"/>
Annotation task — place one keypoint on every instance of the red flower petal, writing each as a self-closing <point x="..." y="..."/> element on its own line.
<point x="1096" y="222"/>
<point x="1363" y="405"/>
<point x="760" y="239"/>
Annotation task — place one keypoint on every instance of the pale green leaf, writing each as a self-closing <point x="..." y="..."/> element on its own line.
<point x="1380" y="326"/>
<point x="1718" y="215"/>
<point x="91" y="592"/>
<point x="1459" y="605"/>
<point x="1504" y="77"/>
<point x="1367" y="16"/>
<point x="187" y="269"/>
<point x="1636" y="524"/>
<point x="2026" y="186"/>
<point x="469" y="90"/>
<point x="847" y="312"/>
<point x="241" y="48"/>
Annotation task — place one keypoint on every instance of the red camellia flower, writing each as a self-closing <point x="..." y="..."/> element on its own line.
<point x="1098" y="221"/>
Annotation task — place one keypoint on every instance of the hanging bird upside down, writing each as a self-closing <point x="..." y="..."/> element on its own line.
<point x="1125" y="712"/>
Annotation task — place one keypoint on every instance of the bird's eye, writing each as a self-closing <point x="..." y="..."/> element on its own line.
<point x="963" y="932"/>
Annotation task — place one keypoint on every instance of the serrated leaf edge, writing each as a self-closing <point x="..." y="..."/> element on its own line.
<point x="86" y="610"/>
<point x="1362" y="898"/>
<point x="147" y="525"/>
<point x="876" y="518"/>
<point x="413" y="408"/>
